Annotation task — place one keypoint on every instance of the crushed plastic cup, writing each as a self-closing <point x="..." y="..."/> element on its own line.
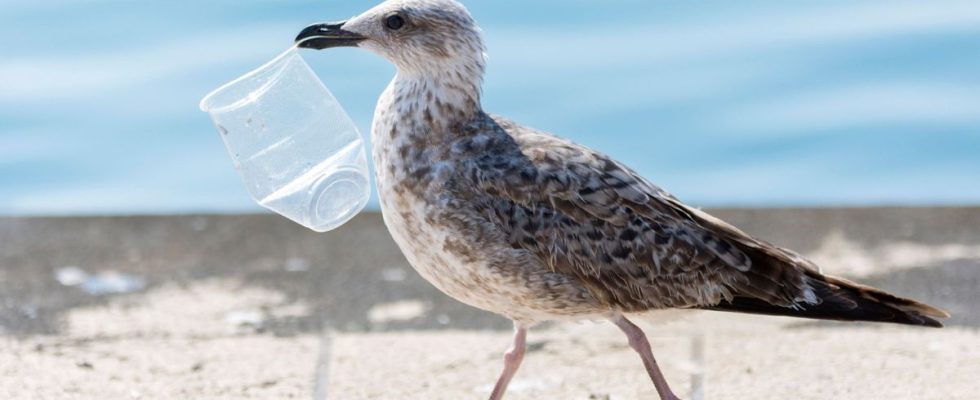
<point x="298" y="152"/>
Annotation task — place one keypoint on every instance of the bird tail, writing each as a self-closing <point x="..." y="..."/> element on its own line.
<point x="844" y="300"/>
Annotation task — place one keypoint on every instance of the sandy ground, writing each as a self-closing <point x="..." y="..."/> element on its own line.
<point x="754" y="361"/>
<point x="235" y="307"/>
<point x="201" y="341"/>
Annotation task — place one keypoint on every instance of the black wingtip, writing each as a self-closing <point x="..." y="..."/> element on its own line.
<point x="843" y="300"/>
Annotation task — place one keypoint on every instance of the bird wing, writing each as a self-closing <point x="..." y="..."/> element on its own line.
<point x="632" y="244"/>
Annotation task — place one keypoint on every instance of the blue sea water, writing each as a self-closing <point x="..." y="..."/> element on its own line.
<point x="748" y="103"/>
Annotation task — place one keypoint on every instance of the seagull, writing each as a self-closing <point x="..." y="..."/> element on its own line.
<point x="534" y="227"/>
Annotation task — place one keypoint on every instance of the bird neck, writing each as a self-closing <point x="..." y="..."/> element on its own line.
<point x="437" y="100"/>
<point x="418" y="114"/>
<point x="416" y="117"/>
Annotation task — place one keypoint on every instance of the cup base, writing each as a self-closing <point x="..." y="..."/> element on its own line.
<point x="337" y="197"/>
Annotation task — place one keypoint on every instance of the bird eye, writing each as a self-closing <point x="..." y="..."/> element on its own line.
<point x="394" y="22"/>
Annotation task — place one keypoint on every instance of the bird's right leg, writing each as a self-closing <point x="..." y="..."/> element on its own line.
<point x="639" y="343"/>
<point x="512" y="361"/>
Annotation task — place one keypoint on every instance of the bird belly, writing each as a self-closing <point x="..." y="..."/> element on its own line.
<point x="476" y="276"/>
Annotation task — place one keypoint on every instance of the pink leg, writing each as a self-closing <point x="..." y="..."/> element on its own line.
<point x="638" y="341"/>
<point x="512" y="361"/>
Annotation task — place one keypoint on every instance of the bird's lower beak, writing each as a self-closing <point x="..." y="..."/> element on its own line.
<point x="324" y="36"/>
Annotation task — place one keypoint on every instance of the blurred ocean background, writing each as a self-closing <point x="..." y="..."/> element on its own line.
<point x="748" y="103"/>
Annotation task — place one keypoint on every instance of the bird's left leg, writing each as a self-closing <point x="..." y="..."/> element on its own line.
<point x="639" y="343"/>
<point x="512" y="361"/>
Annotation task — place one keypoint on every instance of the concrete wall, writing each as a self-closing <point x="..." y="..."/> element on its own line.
<point x="344" y="272"/>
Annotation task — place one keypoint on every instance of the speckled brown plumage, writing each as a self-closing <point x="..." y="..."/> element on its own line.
<point x="579" y="214"/>
<point x="534" y="227"/>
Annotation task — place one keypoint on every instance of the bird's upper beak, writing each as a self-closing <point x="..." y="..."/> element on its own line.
<point x="327" y="35"/>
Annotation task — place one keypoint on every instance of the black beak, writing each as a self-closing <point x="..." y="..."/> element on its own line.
<point x="325" y="36"/>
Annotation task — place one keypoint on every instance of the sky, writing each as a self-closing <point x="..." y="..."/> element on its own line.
<point x="749" y="103"/>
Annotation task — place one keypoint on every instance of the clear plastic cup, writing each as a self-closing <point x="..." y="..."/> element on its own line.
<point x="297" y="150"/>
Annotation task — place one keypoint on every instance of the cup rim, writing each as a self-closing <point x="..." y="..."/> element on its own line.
<point x="205" y="104"/>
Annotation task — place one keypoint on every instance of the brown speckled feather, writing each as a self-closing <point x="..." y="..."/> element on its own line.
<point x="635" y="246"/>
<point x="631" y="243"/>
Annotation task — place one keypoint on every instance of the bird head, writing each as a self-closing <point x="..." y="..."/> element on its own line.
<point x="418" y="36"/>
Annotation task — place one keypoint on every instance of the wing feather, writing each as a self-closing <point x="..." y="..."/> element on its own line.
<point x="632" y="244"/>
